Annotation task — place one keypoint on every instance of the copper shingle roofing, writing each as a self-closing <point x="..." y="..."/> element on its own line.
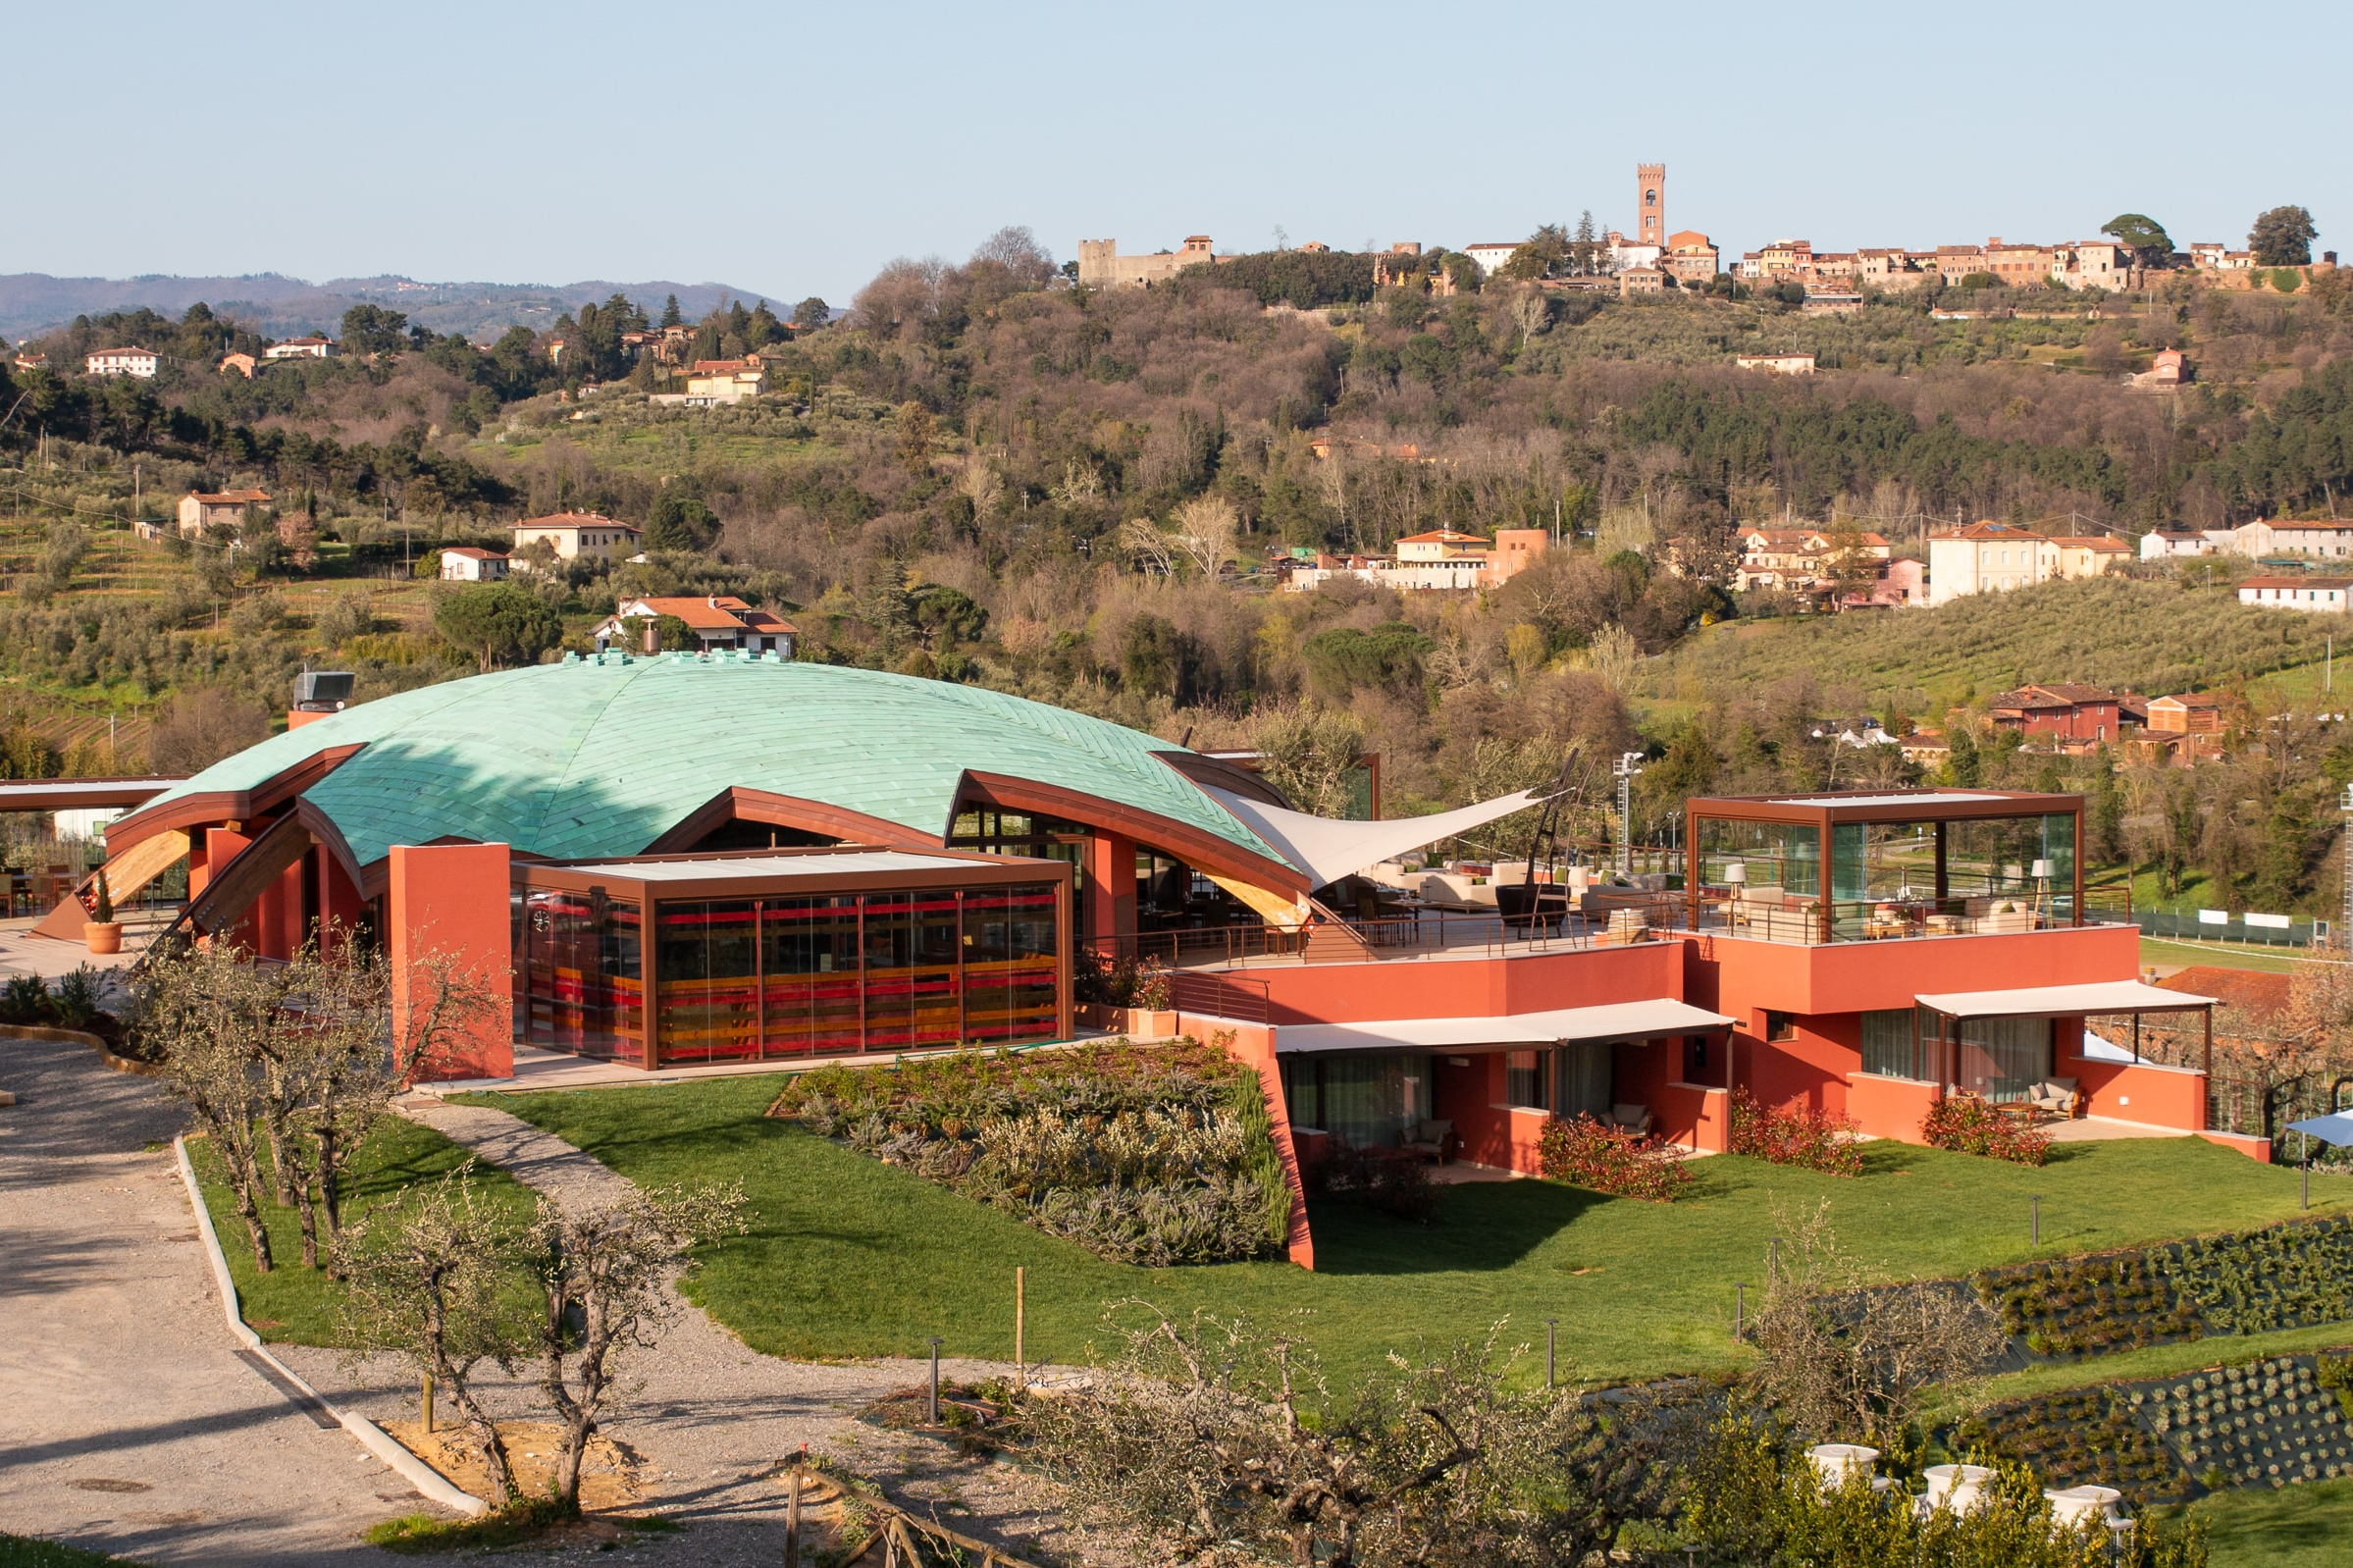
<point x="601" y="757"/>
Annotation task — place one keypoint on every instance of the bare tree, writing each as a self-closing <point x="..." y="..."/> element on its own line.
<point x="450" y="1001"/>
<point x="1847" y="1362"/>
<point x="1150" y="547"/>
<point x="1204" y="533"/>
<point x="1307" y="753"/>
<point x="205" y="1013"/>
<point x="605" y="1276"/>
<point x="1224" y="1441"/>
<point x="430" y="1280"/>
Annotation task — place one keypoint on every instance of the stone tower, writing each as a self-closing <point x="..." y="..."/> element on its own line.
<point x="1651" y="204"/>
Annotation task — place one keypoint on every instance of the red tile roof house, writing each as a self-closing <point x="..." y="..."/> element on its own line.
<point x="2328" y="596"/>
<point x="2068" y="710"/>
<point x="718" y="620"/>
<point x="464" y="563"/>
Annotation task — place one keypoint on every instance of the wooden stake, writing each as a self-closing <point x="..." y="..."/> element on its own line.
<point x="1021" y="1363"/>
<point x="792" y="1523"/>
<point x="429" y="1402"/>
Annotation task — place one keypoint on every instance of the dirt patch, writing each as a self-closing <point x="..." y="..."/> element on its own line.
<point x="607" y="1472"/>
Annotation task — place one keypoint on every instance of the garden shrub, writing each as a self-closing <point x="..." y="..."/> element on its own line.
<point x="2269" y="1423"/>
<point x="1798" y="1135"/>
<point x="1390" y="1181"/>
<point x="1972" y="1127"/>
<point x="1587" y="1153"/>
<point x="1152" y="1156"/>
<point x="2289" y="1276"/>
<point x="2281" y="1276"/>
<point x="2082" y="1436"/>
<point x="2076" y="1307"/>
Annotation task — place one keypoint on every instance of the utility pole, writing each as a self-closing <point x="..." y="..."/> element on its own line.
<point x="2344" y="930"/>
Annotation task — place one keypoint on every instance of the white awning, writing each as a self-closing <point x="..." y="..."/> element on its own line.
<point x="2063" y="1001"/>
<point x="1328" y="849"/>
<point x="1612" y="1020"/>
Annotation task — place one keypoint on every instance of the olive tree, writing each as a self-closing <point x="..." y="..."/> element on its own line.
<point x="204" y="1014"/>
<point x="433" y="1281"/>
<point x="1849" y="1362"/>
<point x="1217" y="1439"/>
<point x="606" y="1276"/>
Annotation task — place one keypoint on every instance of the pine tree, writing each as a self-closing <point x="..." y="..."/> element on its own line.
<point x="670" y="315"/>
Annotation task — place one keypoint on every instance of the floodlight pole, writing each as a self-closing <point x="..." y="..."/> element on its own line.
<point x="935" y="1379"/>
<point x="1551" y="1341"/>
<point x="1630" y="764"/>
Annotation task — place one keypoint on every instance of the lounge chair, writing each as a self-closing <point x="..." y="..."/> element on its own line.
<point x="1635" y="1119"/>
<point x="1428" y="1140"/>
<point x="2057" y="1096"/>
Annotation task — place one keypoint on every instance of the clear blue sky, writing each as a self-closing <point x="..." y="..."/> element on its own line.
<point x="792" y="149"/>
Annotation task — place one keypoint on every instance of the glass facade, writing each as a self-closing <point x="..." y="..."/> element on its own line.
<point x="583" y="990"/>
<point x="1890" y="1044"/>
<point x="751" y="978"/>
<point x="1362" y="1101"/>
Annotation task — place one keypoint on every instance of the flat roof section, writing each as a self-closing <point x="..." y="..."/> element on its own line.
<point x="701" y="869"/>
<point x="1608" y="1022"/>
<point x="2063" y="1001"/>
<point x="80" y="794"/>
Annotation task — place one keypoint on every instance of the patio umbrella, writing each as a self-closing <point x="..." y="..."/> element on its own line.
<point x="2336" y="1128"/>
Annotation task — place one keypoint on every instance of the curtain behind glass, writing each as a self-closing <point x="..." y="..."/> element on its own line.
<point x="1372" y="1101"/>
<point x="2003" y="1058"/>
<point x="1586" y="1079"/>
<point x="1887" y="1043"/>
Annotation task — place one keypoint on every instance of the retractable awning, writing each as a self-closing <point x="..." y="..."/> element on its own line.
<point x="1327" y="849"/>
<point x="2063" y="1001"/>
<point x="1609" y="1022"/>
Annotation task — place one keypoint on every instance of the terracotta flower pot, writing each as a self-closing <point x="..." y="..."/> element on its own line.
<point x="103" y="936"/>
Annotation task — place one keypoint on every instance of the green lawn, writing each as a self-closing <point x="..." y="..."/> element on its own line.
<point x="849" y="1257"/>
<point x="2220" y="955"/>
<point x="2295" y="1527"/>
<point x="298" y="1305"/>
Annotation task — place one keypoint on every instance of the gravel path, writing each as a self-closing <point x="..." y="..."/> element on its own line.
<point x="712" y="1419"/>
<point x="127" y="1421"/>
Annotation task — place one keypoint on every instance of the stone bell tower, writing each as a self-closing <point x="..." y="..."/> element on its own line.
<point x="1651" y="204"/>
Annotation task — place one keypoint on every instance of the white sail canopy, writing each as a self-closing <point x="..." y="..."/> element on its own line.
<point x="1328" y="849"/>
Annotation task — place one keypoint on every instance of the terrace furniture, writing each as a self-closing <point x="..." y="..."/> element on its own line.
<point x="2000" y="916"/>
<point x="2058" y="1096"/>
<point x="1633" y="1118"/>
<point x="1944" y="924"/>
<point x="1775" y="915"/>
<point x="1428" y="1140"/>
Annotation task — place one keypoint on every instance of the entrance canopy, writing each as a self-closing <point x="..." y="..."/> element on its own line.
<point x="1328" y="849"/>
<point x="2063" y="1001"/>
<point x="1613" y="1020"/>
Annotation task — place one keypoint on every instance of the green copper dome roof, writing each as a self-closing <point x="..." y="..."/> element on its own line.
<point x="591" y="757"/>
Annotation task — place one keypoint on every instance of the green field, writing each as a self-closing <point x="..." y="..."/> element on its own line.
<point x="2296" y="1527"/>
<point x="299" y="1305"/>
<point x="849" y="1257"/>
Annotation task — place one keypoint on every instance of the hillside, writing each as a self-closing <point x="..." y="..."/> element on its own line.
<point x="2149" y="636"/>
<point x="278" y="306"/>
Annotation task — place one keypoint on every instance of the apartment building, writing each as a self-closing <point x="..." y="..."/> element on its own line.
<point x="1990" y="557"/>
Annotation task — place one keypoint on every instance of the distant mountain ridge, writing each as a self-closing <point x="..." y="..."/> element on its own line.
<point x="35" y="302"/>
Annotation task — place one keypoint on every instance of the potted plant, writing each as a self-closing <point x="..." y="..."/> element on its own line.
<point x="103" y="932"/>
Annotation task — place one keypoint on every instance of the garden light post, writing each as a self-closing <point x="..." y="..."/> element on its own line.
<point x="935" y="1379"/>
<point x="2036" y="1199"/>
<point x="1740" y="1302"/>
<point x="2307" y="1138"/>
<point x="1552" y="1341"/>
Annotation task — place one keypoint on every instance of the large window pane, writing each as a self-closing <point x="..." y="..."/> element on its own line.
<point x="1524" y="1080"/>
<point x="706" y="994"/>
<point x="1369" y="1100"/>
<point x="1888" y="1041"/>
<point x="2003" y="1058"/>
<point x="581" y="983"/>
<point x="1586" y="1079"/>
<point x="1010" y="968"/>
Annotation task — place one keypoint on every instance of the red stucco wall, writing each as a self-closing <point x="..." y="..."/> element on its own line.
<point x="453" y="897"/>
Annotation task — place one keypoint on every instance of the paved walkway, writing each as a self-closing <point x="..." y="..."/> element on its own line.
<point x="711" y="1417"/>
<point x="128" y="1422"/>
